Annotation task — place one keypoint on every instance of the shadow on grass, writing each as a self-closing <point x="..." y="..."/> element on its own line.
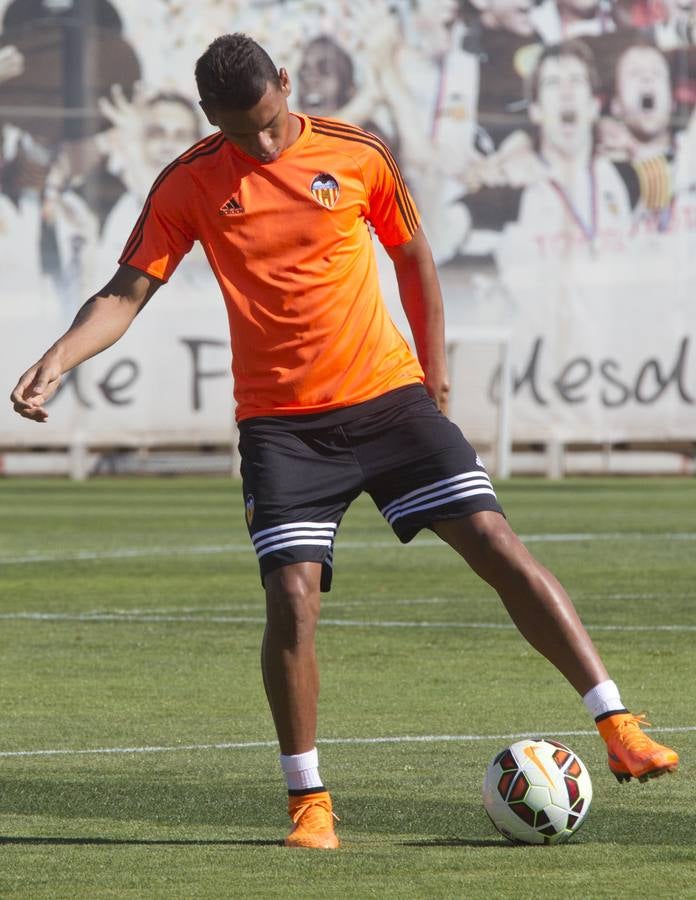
<point x="221" y="803"/>
<point x="133" y="842"/>
<point x="125" y="798"/>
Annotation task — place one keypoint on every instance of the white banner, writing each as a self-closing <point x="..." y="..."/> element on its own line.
<point x="166" y="382"/>
<point x="551" y="150"/>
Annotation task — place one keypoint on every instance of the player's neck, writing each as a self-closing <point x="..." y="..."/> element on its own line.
<point x="295" y="126"/>
<point x="660" y="145"/>
<point x="565" y="166"/>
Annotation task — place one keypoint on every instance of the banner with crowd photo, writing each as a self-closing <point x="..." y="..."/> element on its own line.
<point x="550" y="148"/>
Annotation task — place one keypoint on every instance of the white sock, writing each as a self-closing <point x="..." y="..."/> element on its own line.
<point x="603" y="698"/>
<point x="301" y="770"/>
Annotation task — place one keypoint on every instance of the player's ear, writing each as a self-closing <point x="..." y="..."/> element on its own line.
<point x="534" y="114"/>
<point x="285" y="85"/>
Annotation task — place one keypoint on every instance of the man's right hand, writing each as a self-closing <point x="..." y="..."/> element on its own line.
<point x="35" y="388"/>
<point x="99" y="323"/>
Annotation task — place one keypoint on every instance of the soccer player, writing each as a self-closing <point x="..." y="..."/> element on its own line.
<point x="330" y="399"/>
<point x="640" y="136"/>
<point x="575" y="202"/>
<point x="641" y="105"/>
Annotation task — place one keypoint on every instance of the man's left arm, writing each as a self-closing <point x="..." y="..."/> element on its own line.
<point x="421" y="298"/>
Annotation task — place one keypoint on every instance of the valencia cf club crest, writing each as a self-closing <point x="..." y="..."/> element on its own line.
<point x="325" y="190"/>
<point x="249" y="507"/>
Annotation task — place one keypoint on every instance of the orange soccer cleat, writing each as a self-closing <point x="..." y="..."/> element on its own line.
<point x="632" y="753"/>
<point x="312" y="822"/>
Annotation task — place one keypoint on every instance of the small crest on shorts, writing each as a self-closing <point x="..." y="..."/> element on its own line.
<point x="325" y="189"/>
<point x="249" y="508"/>
<point x="479" y="462"/>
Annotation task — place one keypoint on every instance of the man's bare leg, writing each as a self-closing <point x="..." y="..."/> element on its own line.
<point x="544" y="614"/>
<point x="288" y="655"/>
<point x="536" y="601"/>
<point x="291" y="679"/>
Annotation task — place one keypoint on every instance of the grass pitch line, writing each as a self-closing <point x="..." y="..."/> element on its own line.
<point x="348" y="741"/>
<point x="128" y="618"/>
<point x="370" y="599"/>
<point x="367" y="600"/>
<point x="144" y="552"/>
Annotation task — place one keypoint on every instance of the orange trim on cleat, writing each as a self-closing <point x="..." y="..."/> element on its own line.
<point x="632" y="753"/>
<point x="312" y="822"/>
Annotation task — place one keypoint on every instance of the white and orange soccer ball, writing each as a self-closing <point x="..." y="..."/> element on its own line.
<point x="537" y="792"/>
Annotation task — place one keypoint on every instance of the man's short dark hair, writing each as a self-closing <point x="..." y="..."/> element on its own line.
<point x="234" y="73"/>
<point x="573" y="48"/>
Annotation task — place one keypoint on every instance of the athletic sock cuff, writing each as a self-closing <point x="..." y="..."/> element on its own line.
<point x="303" y="791"/>
<point x="299" y="761"/>
<point x="613" y="712"/>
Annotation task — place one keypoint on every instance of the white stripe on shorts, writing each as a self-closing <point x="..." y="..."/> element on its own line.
<point x="299" y="533"/>
<point x="294" y="534"/>
<point x="290" y="525"/>
<point x="439" y="493"/>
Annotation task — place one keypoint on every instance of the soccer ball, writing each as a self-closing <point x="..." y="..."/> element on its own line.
<point x="537" y="792"/>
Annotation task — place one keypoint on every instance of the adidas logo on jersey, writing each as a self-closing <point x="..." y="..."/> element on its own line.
<point x="231" y="208"/>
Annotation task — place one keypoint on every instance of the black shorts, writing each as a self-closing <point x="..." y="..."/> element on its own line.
<point x="301" y="473"/>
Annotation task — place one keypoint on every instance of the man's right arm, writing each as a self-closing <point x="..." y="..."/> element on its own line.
<point x="102" y="320"/>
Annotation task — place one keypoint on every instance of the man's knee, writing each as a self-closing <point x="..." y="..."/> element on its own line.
<point x="482" y="533"/>
<point x="497" y="540"/>
<point x="292" y="602"/>
<point x="488" y="544"/>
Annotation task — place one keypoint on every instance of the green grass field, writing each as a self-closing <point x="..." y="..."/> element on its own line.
<point x="136" y="751"/>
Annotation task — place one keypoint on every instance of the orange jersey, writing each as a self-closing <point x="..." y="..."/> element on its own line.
<point x="290" y="245"/>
